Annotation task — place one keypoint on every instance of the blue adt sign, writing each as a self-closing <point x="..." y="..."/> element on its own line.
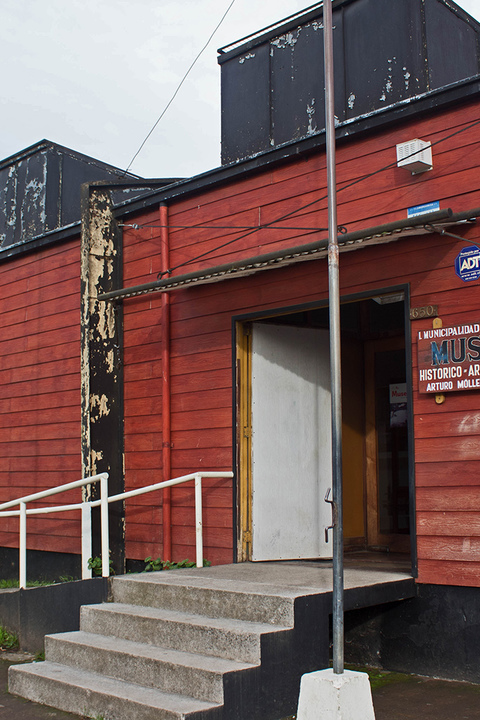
<point x="467" y="263"/>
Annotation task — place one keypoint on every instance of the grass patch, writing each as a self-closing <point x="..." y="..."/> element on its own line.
<point x="12" y="584"/>
<point x="8" y="640"/>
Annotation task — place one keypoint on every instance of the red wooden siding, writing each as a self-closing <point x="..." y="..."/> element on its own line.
<point x="447" y="445"/>
<point x="40" y="389"/>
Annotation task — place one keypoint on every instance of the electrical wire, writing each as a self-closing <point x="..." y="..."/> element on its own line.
<point x="310" y="204"/>
<point x="221" y="227"/>
<point x="178" y="88"/>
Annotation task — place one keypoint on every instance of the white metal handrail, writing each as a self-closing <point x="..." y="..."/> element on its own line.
<point x="86" y="509"/>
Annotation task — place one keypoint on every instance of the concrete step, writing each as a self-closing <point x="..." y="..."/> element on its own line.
<point x="221" y="637"/>
<point x="168" y="670"/>
<point x="211" y="597"/>
<point x="89" y="694"/>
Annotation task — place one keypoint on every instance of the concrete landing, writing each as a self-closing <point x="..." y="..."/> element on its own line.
<point x="365" y="583"/>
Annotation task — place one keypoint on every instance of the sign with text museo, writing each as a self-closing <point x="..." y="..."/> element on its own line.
<point x="449" y="359"/>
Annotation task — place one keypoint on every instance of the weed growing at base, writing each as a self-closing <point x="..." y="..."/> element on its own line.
<point x="152" y="565"/>
<point x="8" y="640"/>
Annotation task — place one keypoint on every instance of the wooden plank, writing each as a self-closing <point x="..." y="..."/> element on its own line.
<point x="441" y="572"/>
<point x="204" y="362"/>
<point x="41" y="416"/>
<point x="143" y="460"/>
<point x="38" y="317"/>
<point x="201" y="439"/>
<point x="142" y="370"/>
<point x="39" y="279"/>
<point x="61" y="430"/>
<point x="204" y="381"/>
<point x="56" y="449"/>
<point x="457" y="449"/>
<point x="38" y="342"/>
<point x="36" y="401"/>
<point x="49" y="386"/>
<point x="142" y="318"/>
<point x="42" y="463"/>
<point x="213" y="537"/>
<point x="32" y="480"/>
<point x="146" y="441"/>
<point x="456" y="524"/>
<point x="195" y="459"/>
<point x="465" y="403"/>
<point x="448" y="424"/>
<point x="214" y="322"/>
<point x="441" y="474"/>
<point x="141" y="477"/>
<point x="203" y="417"/>
<point x="49" y="294"/>
<point x="148" y="353"/>
<point x="448" y="499"/>
<point x="24" y="266"/>
<point x="453" y="549"/>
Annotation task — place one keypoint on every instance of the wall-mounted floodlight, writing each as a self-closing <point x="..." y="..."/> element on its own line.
<point x="415" y="155"/>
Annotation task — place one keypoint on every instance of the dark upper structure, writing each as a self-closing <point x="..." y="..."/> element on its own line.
<point x="40" y="190"/>
<point x="386" y="52"/>
<point x="40" y="194"/>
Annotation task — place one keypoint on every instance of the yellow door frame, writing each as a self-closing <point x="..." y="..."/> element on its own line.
<point x="244" y="440"/>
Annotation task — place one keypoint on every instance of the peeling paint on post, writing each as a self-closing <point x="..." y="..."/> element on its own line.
<point x="101" y="357"/>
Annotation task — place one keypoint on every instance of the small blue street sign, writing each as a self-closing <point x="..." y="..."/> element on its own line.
<point x="423" y="209"/>
<point x="467" y="263"/>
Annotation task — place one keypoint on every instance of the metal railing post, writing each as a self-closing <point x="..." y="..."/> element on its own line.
<point x="22" y="548"/>
<point x="104" y="524"/>
<point x="86" y="540"/>
<point x="198" y="520"/>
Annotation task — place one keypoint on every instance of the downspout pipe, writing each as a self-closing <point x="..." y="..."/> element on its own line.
<point x="166" y="391"/>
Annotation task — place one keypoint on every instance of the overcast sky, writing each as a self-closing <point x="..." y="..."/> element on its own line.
<point x="94" y="75"/>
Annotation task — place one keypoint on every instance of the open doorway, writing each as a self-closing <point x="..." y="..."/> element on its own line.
<point x="283" y="439"/>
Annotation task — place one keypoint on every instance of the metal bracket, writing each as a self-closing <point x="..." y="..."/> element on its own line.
<point x="334" y="513"/>
<point x="442" y="231"/>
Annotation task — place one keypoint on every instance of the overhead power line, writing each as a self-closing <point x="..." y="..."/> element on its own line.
<point x="178" y="87"/>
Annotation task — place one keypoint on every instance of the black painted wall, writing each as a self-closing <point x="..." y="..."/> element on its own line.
<point x="437" y="633"/>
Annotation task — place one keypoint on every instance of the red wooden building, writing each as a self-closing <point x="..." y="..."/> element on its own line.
<point x="204" y="325"/>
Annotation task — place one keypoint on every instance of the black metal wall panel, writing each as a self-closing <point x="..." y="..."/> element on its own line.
<point x="77" y="171"/>
<point x="383" y="63"/>
<point x="386" y="51"/>
<point x="53" y="208"/>
<point x="8" y="192"/>
<point x="297" y="81"/>
<point x="31" y="197"/>
<point x="40" y="190"/>
<point x="451" y="46"/>
<point x="245" y="93"/>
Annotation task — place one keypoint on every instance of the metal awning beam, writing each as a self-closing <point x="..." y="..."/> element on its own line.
<point x="379" y="234"/>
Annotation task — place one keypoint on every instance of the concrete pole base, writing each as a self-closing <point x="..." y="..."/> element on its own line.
<point x="327" y="696"/>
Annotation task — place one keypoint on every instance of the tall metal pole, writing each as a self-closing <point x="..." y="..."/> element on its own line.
<point x="335" y="359"/>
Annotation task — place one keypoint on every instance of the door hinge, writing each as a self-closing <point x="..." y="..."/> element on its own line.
<point x="247" y="536"/>
<point x="247" y="432"/>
